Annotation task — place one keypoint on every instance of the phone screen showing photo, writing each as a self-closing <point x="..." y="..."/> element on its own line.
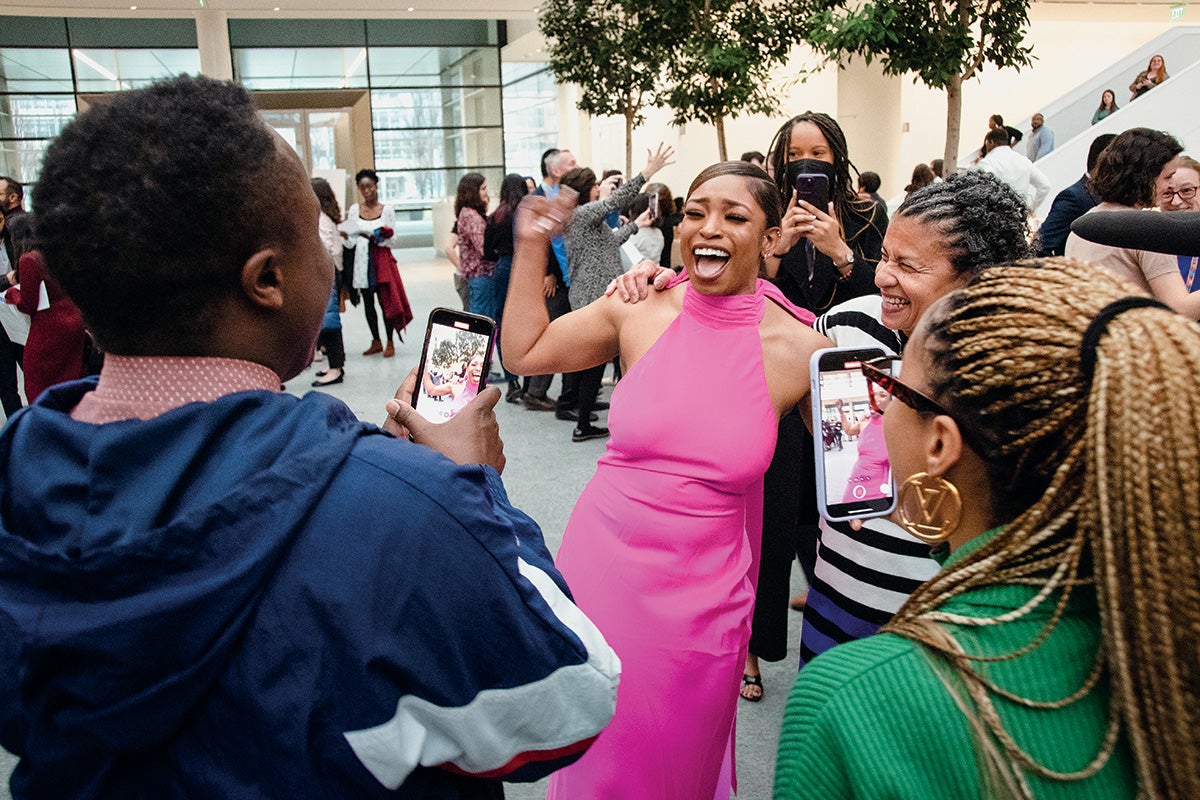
<point x="453" y="370"/>
<point x="850" y="443"/>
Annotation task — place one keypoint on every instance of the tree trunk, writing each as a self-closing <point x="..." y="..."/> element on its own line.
<point x="721" y="150"/>
<point x="953" y="125"/>
<point x="628" y="143"/>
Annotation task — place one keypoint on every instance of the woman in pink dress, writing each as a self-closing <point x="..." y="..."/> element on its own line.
<point x="870" y="472"/>
<point x="661" y="551"/>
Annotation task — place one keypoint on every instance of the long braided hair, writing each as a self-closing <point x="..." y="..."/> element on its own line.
<point x="841" y="192"/>
<point x="1101" y="473"/>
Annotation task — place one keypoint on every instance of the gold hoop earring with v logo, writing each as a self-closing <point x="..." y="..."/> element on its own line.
<point x="929" y="507"/>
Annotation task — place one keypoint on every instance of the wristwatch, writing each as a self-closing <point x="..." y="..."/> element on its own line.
<point x="849" y="262"/>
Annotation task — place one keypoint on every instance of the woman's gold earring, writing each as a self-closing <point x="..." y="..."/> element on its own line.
<point x="930" y="507"/>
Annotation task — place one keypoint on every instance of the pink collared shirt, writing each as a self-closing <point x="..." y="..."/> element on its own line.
<point x="143" y="387"/>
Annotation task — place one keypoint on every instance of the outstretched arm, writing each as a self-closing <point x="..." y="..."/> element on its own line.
<point x="530" y="342"/>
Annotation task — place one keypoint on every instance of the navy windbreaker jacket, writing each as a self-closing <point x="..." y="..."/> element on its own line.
<point x="263" y="597"/>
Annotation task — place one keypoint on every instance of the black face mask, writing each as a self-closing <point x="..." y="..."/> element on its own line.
<point x="808" y="166"/>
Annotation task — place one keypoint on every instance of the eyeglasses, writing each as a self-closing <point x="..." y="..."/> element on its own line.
<point x="878" y="372"/>
<point x="1186" y="193"/>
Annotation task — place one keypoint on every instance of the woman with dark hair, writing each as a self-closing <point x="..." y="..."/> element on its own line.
<point x="1054" y="654"/>
<point x="594" y="255"/>
<point x="1108" y="104"/>
<point x="54" y="351"/>
<point x="661" y="549"/>
<point x="1125" y="178"/>
<point x="370" y="229"/>
<point x="922" y="176"/>
<point x="331" y="329"/>
<point x="470" y="213"/>
<point x="826" y="255"/>
<point x="498" y="249"/>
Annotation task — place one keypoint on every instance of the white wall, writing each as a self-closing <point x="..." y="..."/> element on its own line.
<point x="1071" y="41"/>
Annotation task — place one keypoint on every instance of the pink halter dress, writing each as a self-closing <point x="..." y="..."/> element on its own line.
<point x="661" y="551"/>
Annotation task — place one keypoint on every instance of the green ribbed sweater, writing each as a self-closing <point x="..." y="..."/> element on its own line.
<point x="870" y="719"/>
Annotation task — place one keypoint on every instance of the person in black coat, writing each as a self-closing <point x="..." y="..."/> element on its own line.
<point x="1070" y="204"/>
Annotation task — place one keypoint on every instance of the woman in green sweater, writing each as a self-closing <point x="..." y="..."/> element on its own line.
<point x="1046" y="441"/>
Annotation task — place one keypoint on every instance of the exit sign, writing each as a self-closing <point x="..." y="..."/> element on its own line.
<point x="1178" y="11"/>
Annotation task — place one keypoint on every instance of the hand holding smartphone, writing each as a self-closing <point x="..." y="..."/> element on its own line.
<point x="813" y="188"/>
<point x="854" y="478"/>
<point x="454" y="362"/>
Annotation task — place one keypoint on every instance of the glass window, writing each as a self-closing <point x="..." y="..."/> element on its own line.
<point x="434" y="66"/>
<point x="530" y="116"/>
<point x="418" y="188"/>
<point x="34" y="116"/>
<point x="416" y="149"/>
<point x="301" y="67"/>
<point x="23" y="160"/>
<point x="115" y="70"/>
<point x="34" y="70"/>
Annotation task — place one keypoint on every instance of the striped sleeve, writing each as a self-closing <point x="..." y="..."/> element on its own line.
<point x="499" y="675"/>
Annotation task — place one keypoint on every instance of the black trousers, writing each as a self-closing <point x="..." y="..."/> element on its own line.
<point x="368" y="296"/>
<point x="335" y="348"/>
<point x="10" y="358"/>
<point x="789" y="531"/>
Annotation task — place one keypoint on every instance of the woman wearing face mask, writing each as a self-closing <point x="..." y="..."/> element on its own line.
<point x="826" y="255"/>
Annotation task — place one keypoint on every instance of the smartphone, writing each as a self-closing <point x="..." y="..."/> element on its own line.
<point x="854" y="479"/>
<point x="813" y="187"/>
<point x="454" y="362"/>
<point x="654" y="206"/>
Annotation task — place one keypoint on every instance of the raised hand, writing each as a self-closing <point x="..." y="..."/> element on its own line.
<point x="658" y="159"/>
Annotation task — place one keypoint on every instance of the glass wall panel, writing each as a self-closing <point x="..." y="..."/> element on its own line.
<point x="34" y="116"/>
<point x="434" y="66"/>
<point x="530" y="116"/>
<point x="22" y="159"/>
<point x="301" y="67"/>
<point x="416" y="189"/>
<point x="34" y="70"/>
<point x="115" y="70"/>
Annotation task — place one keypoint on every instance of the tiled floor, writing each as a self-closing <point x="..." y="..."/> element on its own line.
<point x="545" y="473"/>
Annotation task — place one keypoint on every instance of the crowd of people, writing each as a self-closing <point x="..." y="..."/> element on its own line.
<point x="207" y="589"/>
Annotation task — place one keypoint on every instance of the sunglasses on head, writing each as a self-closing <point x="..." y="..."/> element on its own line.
<point x="878" y="372"/>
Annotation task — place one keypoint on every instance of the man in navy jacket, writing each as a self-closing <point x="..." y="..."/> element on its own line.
<point x="1070" y="204"/>
<point x="212" y="589"/>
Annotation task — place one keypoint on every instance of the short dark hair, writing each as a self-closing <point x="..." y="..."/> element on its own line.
<point x="869" y="182"/>
<point x="1098" y="144"/>
<point x="13" y="185"/>
<point x="753" y="155"/>
<point x="998" y="137"/>
<point x="1126" y="169"/>
<point x="545" y="162"/>
<point x="996" y="118"/>
<point x="22" y="232"/>
<point x="983" y="222"/>
<point x="155" y="200"/>
<point x="366" y="173"/>
<point x="581" y="179"/>
<point x="937" y="165"/>
<point x="761" y="187"/>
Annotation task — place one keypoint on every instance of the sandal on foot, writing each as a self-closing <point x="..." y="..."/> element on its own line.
<point x="752" y="680"/>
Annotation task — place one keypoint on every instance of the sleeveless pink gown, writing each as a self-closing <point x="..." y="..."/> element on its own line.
<point x="661" y="552"/>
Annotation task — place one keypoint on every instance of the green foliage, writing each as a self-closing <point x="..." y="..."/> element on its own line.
<point x="454" y="351"/>
<point x="940" y="42"/>
<point x="725" y="56"/>
<point x="613" y="50"/>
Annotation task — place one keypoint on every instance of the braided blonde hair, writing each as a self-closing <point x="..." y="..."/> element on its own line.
<point x="1104" y="474"/>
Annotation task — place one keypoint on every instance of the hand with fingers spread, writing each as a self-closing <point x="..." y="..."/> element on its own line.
<point x="635" y="284"/>
<point x="658" y="159"/>
<point x="472" y="436"/>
